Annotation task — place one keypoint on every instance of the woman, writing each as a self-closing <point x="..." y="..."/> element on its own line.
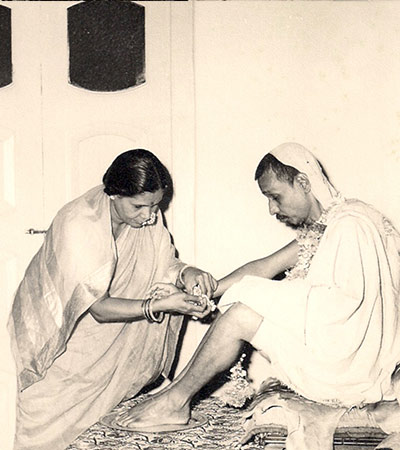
<point x="87" y="328"/>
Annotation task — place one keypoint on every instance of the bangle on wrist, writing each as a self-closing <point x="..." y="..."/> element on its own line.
<point x="186" y="266"/>
<point x="145" y="310"/>
<point x="155" y="317"/>
<point x="148" y="314"/>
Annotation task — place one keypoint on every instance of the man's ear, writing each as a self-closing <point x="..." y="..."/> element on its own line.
<point x="304" y="182"/>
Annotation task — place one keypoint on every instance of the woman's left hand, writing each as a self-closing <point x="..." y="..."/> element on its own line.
<point x="181" y="302"/>
<point x="160" y="290"/>
<point x="192" y="276"/>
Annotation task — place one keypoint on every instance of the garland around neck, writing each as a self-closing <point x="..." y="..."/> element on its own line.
<point x="308" y="238"/>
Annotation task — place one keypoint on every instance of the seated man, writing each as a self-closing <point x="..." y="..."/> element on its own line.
<point x="331" y="327"/>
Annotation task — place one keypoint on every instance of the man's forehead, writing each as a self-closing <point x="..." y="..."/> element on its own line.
<point x="269" y="183"/>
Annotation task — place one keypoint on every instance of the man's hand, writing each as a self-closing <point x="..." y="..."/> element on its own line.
<point x="192" y="276"/>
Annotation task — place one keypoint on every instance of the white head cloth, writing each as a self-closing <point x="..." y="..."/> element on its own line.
<point x="297" y="156"/>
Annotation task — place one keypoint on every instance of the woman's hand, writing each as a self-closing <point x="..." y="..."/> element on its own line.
<point x="182" y="303"/>
<point x="192" y="276"/>
<point x="159" y="290"/>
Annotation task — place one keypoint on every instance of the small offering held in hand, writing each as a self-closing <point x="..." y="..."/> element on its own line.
<point x="197" y="291"/>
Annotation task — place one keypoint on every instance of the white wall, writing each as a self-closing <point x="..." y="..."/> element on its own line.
<point x="324" y="74"/>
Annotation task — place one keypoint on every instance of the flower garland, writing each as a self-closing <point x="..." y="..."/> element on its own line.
<point x="238" y="389"/>
<point x="308" y="238"/>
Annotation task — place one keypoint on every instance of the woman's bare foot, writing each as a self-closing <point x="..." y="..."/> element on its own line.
<point x="158" y="410"/>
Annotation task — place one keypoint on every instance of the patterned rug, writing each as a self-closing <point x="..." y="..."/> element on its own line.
<point x="223" y="431"/>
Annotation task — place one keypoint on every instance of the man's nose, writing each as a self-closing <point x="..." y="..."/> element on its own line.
<point x="273" y="208"/>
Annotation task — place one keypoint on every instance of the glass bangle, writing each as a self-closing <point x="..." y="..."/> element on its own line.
<point x="155" y="317"/>
<point x="186" y="266"/>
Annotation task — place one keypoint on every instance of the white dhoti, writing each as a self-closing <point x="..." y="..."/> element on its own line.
<point x="334" y="336"/>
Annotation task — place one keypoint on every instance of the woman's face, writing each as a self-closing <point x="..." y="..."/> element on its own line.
<point x="137" y="209"/>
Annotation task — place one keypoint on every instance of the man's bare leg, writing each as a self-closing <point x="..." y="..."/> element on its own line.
<point x="217" y="351"/>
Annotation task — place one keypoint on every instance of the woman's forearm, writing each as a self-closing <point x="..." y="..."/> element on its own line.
<point x="113" y="309"/>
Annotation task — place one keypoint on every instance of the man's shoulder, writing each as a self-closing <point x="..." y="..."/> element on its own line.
<point x="357" y="213"/>
<point x="354" y="206"/>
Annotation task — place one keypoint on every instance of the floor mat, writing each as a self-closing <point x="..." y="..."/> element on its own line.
<point x="223" y="431"/>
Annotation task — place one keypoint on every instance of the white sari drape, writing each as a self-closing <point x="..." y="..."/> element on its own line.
<point x="72" y="369"/>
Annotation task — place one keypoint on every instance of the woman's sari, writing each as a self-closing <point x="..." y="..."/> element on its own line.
<point x="72" y="369"/>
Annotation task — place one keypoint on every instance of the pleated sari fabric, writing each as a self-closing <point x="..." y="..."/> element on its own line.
<point x="72" y="369"/>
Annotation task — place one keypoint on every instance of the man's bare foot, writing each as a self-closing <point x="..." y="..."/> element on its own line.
<point x="158" y="410"/>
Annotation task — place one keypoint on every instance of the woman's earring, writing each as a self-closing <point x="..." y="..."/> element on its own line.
<point x="112" y="197"/>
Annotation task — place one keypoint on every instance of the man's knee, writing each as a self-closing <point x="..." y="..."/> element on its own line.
<point x="243" y="320"/>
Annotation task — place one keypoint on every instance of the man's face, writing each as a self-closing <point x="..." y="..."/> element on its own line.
<point x="289" y="204"/>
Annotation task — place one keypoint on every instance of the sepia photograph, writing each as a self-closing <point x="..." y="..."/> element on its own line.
<point x="200" y="216"/>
